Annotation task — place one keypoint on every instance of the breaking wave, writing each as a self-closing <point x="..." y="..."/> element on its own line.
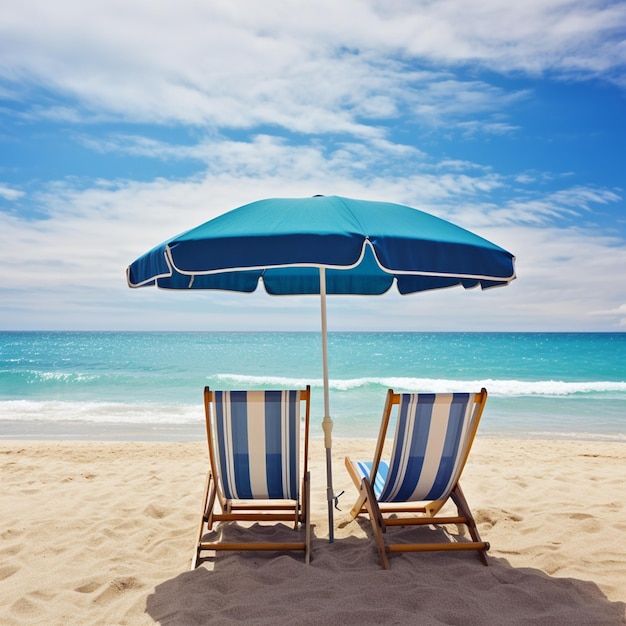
<point x="510" y="388"/>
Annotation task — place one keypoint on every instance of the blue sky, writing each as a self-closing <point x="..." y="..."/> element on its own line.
<point x="122" y="124"/>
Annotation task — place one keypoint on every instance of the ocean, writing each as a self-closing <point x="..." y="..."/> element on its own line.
<point x="148" y="385"/>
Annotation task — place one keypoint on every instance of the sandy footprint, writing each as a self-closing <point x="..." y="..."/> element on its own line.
<point x="490" y="517"/>
<point x="156" y="512"/>
<point x="7" y="571"/>
<point x="26" y="607"/>
<point x="117" y="587"/>
<point x="89" y="587"/>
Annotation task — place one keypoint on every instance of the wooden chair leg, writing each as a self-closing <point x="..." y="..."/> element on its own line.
<point x="358" y="505"/>
<point x="357" y="509"/>
<point x="307" y="518"/>
<point x="462" y="506"/>
<point x="203" y="517"/>
<point x="378" y="524"/>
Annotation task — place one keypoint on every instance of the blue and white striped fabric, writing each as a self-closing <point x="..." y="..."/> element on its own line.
<point x="432" y="434"/>
<point x="258" y="443"/>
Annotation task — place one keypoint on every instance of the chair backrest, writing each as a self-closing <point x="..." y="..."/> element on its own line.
<point x="434" y="434"/>
<point x="254" y="442"/>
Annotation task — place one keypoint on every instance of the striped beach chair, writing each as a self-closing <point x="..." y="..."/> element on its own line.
<point x="433" y="437"/>
<point x="258" y="469"/>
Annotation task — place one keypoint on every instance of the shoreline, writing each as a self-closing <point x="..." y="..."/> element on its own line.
<point x="72" y="430"/>
<point x="105" y="530"/>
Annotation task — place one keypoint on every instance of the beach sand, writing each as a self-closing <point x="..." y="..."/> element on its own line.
<point x="103" y="533"/>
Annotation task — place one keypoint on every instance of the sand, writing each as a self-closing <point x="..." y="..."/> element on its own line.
<point x="103" y="533"/>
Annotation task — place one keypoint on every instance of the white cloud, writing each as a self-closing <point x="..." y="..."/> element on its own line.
<point x="558" y="204"/>
<point x="617" y="314"/>
<point x="339" y="74"/>
<point x="71" y="263"/>
<point x="9" y="193"/>
<point x="305" y="67"/>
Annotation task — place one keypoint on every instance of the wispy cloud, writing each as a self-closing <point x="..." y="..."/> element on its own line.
<point x="556" y="205"/>
<point x="617" y="313"/>
<point x="78" y="252"/>
<point x="311" y="71"/>
<point x="302" y="104"/>
<point x="9" y="193"/>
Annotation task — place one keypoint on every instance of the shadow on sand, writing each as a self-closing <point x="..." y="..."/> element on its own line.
<point x="345" y="585"/>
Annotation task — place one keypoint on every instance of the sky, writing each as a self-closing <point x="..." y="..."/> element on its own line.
<point x="124" y="123"/>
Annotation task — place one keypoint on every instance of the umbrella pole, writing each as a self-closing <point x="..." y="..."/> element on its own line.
<point x="327" y="423"/>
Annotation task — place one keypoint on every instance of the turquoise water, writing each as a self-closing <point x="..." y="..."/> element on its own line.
<point x="82" y="384"/>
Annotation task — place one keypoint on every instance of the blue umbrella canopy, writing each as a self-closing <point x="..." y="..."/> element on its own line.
<point x="324" y="245"/>
<point x="364" y="246"/>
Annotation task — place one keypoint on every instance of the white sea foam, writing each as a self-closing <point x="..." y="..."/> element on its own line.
<point x="279" y="382"/>
<point x="512" y="388"/>
<point x="99" y="412"/>
<point x="63" y="376"/>
<point x="550" y="435"/>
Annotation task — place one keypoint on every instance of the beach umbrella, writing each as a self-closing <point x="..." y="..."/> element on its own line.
<point x="324" y="245"/>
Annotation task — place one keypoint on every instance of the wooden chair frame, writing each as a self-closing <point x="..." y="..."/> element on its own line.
<point x="296" y="512"/>
<point x="382" y="514"/>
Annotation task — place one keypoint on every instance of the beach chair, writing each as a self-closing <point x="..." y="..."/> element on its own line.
<point x="256" y="464"/>
<point x="434" y="434"/>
